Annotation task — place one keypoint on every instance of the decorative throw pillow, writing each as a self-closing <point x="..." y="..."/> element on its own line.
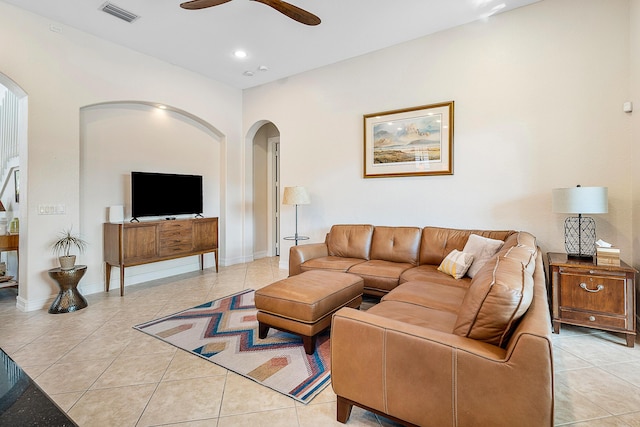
<point x="456" y="263"/>
<point x="482" y="248"/>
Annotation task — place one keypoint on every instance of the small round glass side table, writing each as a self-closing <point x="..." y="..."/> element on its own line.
<point x="296" y="238"/>
<point x="69" y="298"/>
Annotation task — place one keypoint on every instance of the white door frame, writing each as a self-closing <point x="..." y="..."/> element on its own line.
<point x="273" y="195"/>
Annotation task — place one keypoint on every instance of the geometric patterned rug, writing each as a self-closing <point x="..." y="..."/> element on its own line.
<point x="225" y="332"/>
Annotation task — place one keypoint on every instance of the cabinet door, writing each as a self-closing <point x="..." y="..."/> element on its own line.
<point x="139" y="243"/>
<point x="205" y="234"/>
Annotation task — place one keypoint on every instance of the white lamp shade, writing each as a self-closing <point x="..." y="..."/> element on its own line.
<point x="580" y="200"/>
<point x="295" y="196"/>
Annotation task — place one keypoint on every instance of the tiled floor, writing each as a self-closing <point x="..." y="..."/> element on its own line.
<point x="104" y="373"/>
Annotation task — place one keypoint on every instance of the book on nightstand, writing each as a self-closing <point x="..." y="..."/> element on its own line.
<point x="608" y="256"/>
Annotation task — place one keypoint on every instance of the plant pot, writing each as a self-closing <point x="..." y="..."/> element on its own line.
<point x="67" y="262"/>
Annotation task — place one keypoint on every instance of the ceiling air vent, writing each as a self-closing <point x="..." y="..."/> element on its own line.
<point x="118" y="12"/>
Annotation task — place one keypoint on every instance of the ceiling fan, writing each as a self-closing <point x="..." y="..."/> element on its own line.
<point x="283" y="7"/>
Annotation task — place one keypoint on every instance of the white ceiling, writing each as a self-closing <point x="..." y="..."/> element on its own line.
<point x="204" y="40"/>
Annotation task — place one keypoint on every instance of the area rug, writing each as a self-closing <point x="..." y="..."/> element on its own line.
<point x="225" y="332"/>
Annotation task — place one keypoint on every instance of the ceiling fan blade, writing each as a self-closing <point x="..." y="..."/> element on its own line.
<point x="201" y="4"/>
<point x="291" y="11"/>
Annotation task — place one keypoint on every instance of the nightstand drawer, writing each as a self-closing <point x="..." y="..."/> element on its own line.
<point x="596" y="319"/>
<point x="593" y="293"/>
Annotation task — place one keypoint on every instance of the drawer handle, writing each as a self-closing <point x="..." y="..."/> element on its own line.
<point x="597" y="289"/>
<point x="592" y="318"/>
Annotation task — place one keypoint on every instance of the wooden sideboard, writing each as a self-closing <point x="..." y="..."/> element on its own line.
<point x="137" y="243"/>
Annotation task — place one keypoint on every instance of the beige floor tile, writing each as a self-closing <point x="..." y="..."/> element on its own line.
<point x="112" y="407"/>
<point x="34" y="370"/>
<point x="97" y="347"/>
<point x="133" y="370"/>
<point x="325" y="415"/>
<point x="143" y="344"/>
<point x="563" y="360"/>
<point x="243" y="396"/>
<point x="186" y="365"/>
<point x="572" y="406"/>
<point x="602" y="422"/>
<point x="211" y="422"/>
<point x="72" y="377"/>
<point x="66" y="400"/>
<point x="596" y="349"/>
<point x="184" y="400"/>
<point x="276" y="418"/>
<point x="633" y="419"/>
<point x="44" y="352"/>
<point x="628" y="371"/>
<point x="611" y="393"/>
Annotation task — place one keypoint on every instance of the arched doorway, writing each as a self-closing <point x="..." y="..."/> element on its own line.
<point x="264" y="160"/>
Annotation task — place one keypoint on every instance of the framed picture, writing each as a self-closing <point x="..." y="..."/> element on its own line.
<point x="408" y="142"/>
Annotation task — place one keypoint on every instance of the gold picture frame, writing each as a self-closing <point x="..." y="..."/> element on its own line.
<point x="409" y="142"/>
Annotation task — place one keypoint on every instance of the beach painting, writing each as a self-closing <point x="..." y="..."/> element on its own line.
<point x="414" y="141"/>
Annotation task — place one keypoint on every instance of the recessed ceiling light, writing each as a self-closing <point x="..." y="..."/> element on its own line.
<point x="240" y="54"/>
<point x="263" y="68"/>
<point x="248" y="73"/>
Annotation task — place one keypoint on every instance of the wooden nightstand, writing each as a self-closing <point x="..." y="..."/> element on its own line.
<point x="595" y="296"/>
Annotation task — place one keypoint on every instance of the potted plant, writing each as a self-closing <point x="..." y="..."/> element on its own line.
<point x="62" y="248"/>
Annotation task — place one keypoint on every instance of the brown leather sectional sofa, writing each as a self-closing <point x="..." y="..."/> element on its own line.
<point x="439" y="351"/>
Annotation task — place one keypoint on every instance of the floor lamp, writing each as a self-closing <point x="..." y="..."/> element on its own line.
<point x="580" y="232"/>
<point x="296" y="196"/>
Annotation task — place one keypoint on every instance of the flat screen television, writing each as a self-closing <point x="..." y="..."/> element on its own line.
<point x="164" y="194"/>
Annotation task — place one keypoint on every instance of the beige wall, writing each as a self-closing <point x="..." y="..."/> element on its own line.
<point x="634" y="119"/>
<point x="64" y="72"/>
<point x="538" y="94"/>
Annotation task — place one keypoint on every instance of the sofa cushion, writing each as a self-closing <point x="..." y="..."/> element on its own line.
<point x="439" y="320"/>
<point x="396" y="244"/>
<point x="499" y="295"/>
<point x="350" y="241"/>
<point x="481" y="248"/>
<point x="430" y="274"/>
<point x="379" y="276"/>
<point x="332" y="263"/>
<point x="430" y="295"/>
<point x="524" y="254"/>
<point x="456" y="264"/>
<point x="521" y="246"/>
<point x="437" y="242"/>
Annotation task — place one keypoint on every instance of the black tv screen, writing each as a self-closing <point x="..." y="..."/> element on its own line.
<point x="161" y="194"/>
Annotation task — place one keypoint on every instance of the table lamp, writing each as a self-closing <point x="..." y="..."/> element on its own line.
<point x="580" y="232"/>
<point x="296" y="196"/>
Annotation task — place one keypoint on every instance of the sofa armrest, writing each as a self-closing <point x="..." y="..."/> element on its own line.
<point x="428" y="377"/>
<point x="301" y="253"/>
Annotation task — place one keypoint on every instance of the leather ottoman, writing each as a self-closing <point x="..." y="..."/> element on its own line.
<point x="303" y="304"/>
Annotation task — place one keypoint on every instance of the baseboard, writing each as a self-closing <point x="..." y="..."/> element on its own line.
<point x="33" y="305"/>
<point x="261" y="254"/>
